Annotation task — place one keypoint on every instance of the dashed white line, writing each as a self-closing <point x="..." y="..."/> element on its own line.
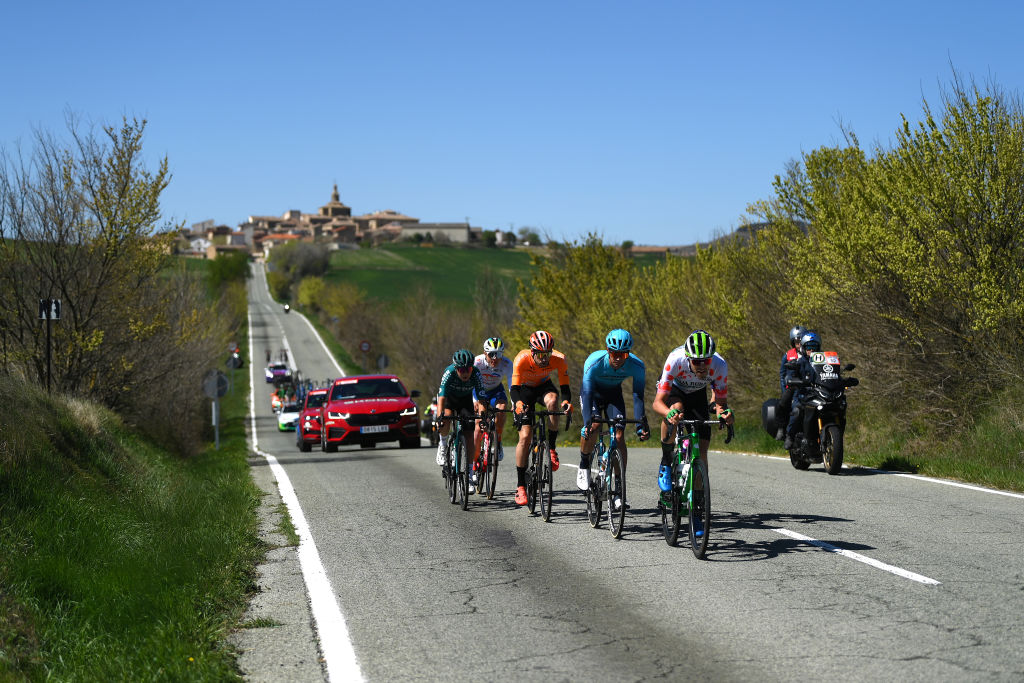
<point x="857" y="556"/>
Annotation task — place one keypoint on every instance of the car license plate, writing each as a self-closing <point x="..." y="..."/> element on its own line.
<point x="373" y="429"/>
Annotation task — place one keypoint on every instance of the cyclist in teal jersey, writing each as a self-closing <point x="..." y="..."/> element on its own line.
<point x="455" y="397"/>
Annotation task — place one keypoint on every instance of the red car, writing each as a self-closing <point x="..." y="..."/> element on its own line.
<point x="307" y="428"/>
<point x="367" y="410"/>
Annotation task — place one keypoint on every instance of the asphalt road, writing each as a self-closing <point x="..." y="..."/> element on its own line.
<point x="859" y="576"/>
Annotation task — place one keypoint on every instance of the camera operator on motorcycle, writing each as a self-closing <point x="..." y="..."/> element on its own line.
<point x="786" y="400"/>
<point x="810" y="343"/>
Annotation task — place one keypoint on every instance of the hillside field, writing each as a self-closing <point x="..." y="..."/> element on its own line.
<point x="392" y="272"/>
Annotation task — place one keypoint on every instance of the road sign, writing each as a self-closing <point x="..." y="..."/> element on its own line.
<point x="49" y="309"/>
<point x="364" y="346"/>
<point x="215" y="384"/>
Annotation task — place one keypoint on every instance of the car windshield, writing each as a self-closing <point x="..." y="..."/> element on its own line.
<point x="381" y="387"/>
<point x="279" y="366"/>
<point x="291" y="407"/>
<point x="316" y="400"/>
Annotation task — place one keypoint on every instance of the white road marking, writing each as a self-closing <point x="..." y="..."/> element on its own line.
<point x="860" y="558"/>
<point x="328" y="621"/>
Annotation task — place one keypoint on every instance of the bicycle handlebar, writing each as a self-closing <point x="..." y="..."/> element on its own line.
<point x="720" y="422"/>
<point x="567" y="413"/>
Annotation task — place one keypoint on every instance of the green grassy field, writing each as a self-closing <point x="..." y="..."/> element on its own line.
<point x="392" y="272"/>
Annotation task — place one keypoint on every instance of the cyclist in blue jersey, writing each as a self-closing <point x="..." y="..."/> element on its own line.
<point x="603" y="374"/>
<point x="495" y="369"/>
<point x="459" y="383"/>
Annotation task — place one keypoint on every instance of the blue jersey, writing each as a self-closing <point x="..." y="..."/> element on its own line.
<point x="600" y="378"/>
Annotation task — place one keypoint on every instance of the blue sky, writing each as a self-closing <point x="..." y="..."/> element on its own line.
<point x="657" y="122"/>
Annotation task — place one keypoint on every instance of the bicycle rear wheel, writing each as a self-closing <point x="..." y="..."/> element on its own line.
<point x="671" y="513"/>
<point x="595" y="491"/>
<point x="483" y="480"/>
<point x="616" y="494"/>
<point x="700" y="510"/>
<point x="546" y="483"/>
<point x="492" y="466"/>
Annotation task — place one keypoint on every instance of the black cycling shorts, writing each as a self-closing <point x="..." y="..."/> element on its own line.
<point x="694" y="406"/>
<point x="530" y="396"/>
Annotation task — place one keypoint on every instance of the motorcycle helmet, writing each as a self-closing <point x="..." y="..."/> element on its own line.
<point x="493" y="345"/>
<point x="699" y="345"/>
<point x="541" y="341"/>
<point x="462" y="359"/>
<point x="619" y="340"/>
<point x="810" y="341"/>
<point x="796" y="334"/>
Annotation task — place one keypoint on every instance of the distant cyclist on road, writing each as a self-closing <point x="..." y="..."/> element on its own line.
<point x="682" y="395"/>
<point x="601" y="392"/>
<point x="494" y="367"/>
<point x="455" y="397"/>
<point x="531" y="384"/>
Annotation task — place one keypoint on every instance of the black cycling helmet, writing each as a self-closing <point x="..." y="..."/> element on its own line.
<point x="462" y="359"/>
<point x="796" y="334"/>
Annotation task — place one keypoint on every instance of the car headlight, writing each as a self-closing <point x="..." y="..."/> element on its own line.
<point x="338" y="416"/>
<point x="411" y="410"/>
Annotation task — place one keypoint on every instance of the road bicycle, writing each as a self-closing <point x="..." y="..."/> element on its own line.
<point x="539" y="479"/>
<point x="607" y="481"/>
<point x="487" y="463"/>
<point x="686" y="496"/>
<point x="455" y="470"/>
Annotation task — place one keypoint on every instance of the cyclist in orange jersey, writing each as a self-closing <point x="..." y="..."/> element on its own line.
<point x="531" y="384"/>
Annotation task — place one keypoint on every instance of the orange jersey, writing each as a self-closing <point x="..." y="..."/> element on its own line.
<point x="525" y="372"/>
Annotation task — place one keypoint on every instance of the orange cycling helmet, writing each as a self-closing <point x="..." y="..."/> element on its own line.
<point x="541" y="341"/>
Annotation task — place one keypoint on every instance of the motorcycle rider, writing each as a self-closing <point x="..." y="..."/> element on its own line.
<point x="786" y="400"/>
<point x="810" y="343"/>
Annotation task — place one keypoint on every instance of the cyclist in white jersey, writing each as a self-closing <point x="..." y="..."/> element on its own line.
<point x="682" y="394"/>
<point x="495" y="371"/>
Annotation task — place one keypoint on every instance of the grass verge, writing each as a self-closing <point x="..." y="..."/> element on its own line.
<point x="121" y="561"/>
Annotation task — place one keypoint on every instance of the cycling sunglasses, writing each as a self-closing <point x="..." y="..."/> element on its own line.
<point x="542" y="355"/>
<point x="700" y="361"/>
<point x="619" y="355"/>
<point x="494" y="354"/>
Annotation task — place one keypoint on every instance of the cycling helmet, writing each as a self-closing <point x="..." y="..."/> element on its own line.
<point x="619" y="340"/>
<point x="699" y="345"/>
<point x="810" y="341"/>
<point x="494" y="344"/>
<point x="541" y="341"/>
<point x="796" y="333"/>
<point x="462" y="359"/>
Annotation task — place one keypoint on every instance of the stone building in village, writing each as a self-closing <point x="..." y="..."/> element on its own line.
<point x="333" y="224"/>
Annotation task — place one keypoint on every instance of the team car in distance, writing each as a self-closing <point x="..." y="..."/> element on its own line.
<point x="288" y="416"/>
<point x="277" y="371"/>
<point x="307" y="430"/>
<point x="367" y="410"/>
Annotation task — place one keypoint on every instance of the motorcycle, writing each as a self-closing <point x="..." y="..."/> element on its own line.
<point x="287" y="308"/>
<point x="824" y="394"/>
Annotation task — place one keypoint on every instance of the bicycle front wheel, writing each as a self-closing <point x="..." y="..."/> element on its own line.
<point x="700" y="510"/>
<point x="546" y="484"/>
<point x="449" y="471"/>
<point x="616" y="494"/>
<point x="532" y="477"/>
<point x="462" y="466"/>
